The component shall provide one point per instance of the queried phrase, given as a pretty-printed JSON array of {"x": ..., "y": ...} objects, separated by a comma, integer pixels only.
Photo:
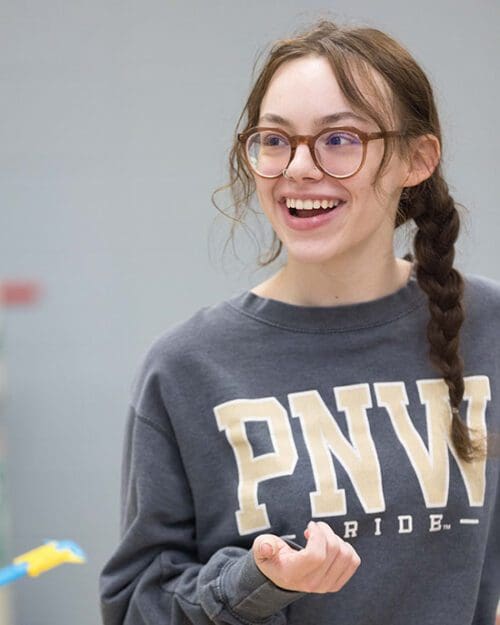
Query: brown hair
[{"x": 354, "y": 52}]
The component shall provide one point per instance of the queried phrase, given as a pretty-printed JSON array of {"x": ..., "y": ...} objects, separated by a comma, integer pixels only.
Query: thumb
[{"x": 265, "y": 547}]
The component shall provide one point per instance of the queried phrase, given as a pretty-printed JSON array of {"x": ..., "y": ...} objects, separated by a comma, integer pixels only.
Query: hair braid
[{"x": 436, "y": 216}]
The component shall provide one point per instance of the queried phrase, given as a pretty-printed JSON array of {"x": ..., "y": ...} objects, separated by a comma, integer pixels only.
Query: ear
[{"x": 425, "y": 152}]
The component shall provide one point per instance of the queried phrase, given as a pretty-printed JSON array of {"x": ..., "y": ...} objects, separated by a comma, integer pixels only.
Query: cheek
[
  {"x": 264, "y": 190},
  {"x": 371, "y": 209},
  {"x": 364, "y": 198},
  {"x": 378, "y": 195}
]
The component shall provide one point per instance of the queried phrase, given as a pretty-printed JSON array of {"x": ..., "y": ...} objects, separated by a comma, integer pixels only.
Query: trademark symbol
[{"x": 447, "y": 526}]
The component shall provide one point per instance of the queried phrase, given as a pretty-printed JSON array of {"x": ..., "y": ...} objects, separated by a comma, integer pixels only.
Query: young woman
[{"x": 347, "y": 403}]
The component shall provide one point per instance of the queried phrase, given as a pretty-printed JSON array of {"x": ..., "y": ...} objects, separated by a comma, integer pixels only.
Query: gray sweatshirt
[{"x": 255, "y": 416}]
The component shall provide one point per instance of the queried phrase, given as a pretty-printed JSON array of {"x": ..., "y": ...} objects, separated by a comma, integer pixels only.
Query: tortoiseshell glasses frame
[{"x": 311, "y": 142}]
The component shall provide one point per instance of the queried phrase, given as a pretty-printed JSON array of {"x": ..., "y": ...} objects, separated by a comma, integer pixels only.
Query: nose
[{"x": 302, "y": 165}]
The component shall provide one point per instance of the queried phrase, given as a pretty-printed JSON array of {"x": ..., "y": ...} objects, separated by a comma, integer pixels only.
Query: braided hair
[{"x": 438, "y": 223}]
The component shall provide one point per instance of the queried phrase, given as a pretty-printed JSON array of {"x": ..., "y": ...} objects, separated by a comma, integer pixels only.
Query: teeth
[{"x": 310, "y": 204}]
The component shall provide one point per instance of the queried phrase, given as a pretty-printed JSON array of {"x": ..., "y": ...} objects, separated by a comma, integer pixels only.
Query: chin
[{"x": 311, "y": 256}]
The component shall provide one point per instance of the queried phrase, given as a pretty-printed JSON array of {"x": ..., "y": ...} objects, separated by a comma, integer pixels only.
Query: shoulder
[
  {"x": 188, "y": 335},
  {"x": 481, "y": 293},
  {"x": 481, "y": 305},
  {"x": 177, "y": 354},
  {"x": 185, "y": 347}
]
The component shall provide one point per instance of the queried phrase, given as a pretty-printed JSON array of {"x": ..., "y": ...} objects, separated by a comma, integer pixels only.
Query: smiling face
[{"x": 304, "y": 97}]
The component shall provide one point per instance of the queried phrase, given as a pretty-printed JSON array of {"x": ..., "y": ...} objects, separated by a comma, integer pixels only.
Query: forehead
[{"x": 306, "y": 88}]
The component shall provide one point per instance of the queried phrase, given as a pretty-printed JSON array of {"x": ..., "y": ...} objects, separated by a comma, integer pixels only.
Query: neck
[{"x": 346, "y": 283}]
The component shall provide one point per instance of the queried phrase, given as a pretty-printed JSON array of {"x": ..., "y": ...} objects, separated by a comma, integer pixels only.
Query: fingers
[
  {"x": 268, "y": 547},
  {"x": 326, "y": 563},
  {"x": 265, "y": 547},
  {"x": 345, "y": 576},
  {"x": 317, "y": 541},
  {"x": 342, "y": 567},
  {"x": 331, "y": 562}
]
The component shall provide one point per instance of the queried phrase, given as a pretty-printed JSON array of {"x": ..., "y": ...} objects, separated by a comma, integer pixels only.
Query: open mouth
[
  {"x": 304, "y": 214},
  {"x": 304, "y": 209}
]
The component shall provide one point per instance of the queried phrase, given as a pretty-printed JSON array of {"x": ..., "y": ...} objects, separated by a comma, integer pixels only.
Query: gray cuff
[{"x": 250, "y": 594}]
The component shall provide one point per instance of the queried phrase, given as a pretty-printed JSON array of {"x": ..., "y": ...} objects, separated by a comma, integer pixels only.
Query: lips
[{"x": 309, "y": 219}]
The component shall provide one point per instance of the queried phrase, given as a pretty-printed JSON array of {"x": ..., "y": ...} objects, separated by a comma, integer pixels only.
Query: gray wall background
[{"x": 115, "y": 123}]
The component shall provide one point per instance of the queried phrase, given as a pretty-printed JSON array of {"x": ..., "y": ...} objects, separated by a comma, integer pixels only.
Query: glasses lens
[
  {"x": 268, "y": 152},
  {"x": 339, "y": 152}
]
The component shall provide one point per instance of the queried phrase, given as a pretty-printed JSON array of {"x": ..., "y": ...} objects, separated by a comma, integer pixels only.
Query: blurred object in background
[
  {"x": 12, "y": 293},
  {"x": 18, "y": 292},
  {"x": 42, "y": 559}
]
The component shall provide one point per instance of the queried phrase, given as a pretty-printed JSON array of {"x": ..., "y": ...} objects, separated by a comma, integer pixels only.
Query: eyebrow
[{"x": 322, "y": 121}]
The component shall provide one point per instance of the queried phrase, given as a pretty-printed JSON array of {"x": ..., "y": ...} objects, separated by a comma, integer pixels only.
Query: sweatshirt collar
[{"x": 341, "y": 318}]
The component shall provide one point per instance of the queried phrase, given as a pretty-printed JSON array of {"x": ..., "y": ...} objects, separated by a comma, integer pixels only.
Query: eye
[
  {"x": 340, "y": 138},
  {"x": 273, "y": 140}
]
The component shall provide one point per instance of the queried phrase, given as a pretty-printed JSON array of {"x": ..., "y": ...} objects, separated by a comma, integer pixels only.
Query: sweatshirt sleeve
[{"x": 154, "y": 576}]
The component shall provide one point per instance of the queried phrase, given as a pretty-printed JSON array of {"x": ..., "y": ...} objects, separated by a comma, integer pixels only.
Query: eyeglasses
[{"x": 339, "y": 152}]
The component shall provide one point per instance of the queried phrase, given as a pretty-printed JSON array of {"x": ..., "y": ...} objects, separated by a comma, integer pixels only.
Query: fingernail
[
  {"x": 266, "y": 550},
  {"x": 310, "y": 525}
]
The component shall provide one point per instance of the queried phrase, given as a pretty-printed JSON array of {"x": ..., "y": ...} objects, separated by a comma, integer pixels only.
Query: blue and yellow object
[{"x": 43, "y": 558}]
